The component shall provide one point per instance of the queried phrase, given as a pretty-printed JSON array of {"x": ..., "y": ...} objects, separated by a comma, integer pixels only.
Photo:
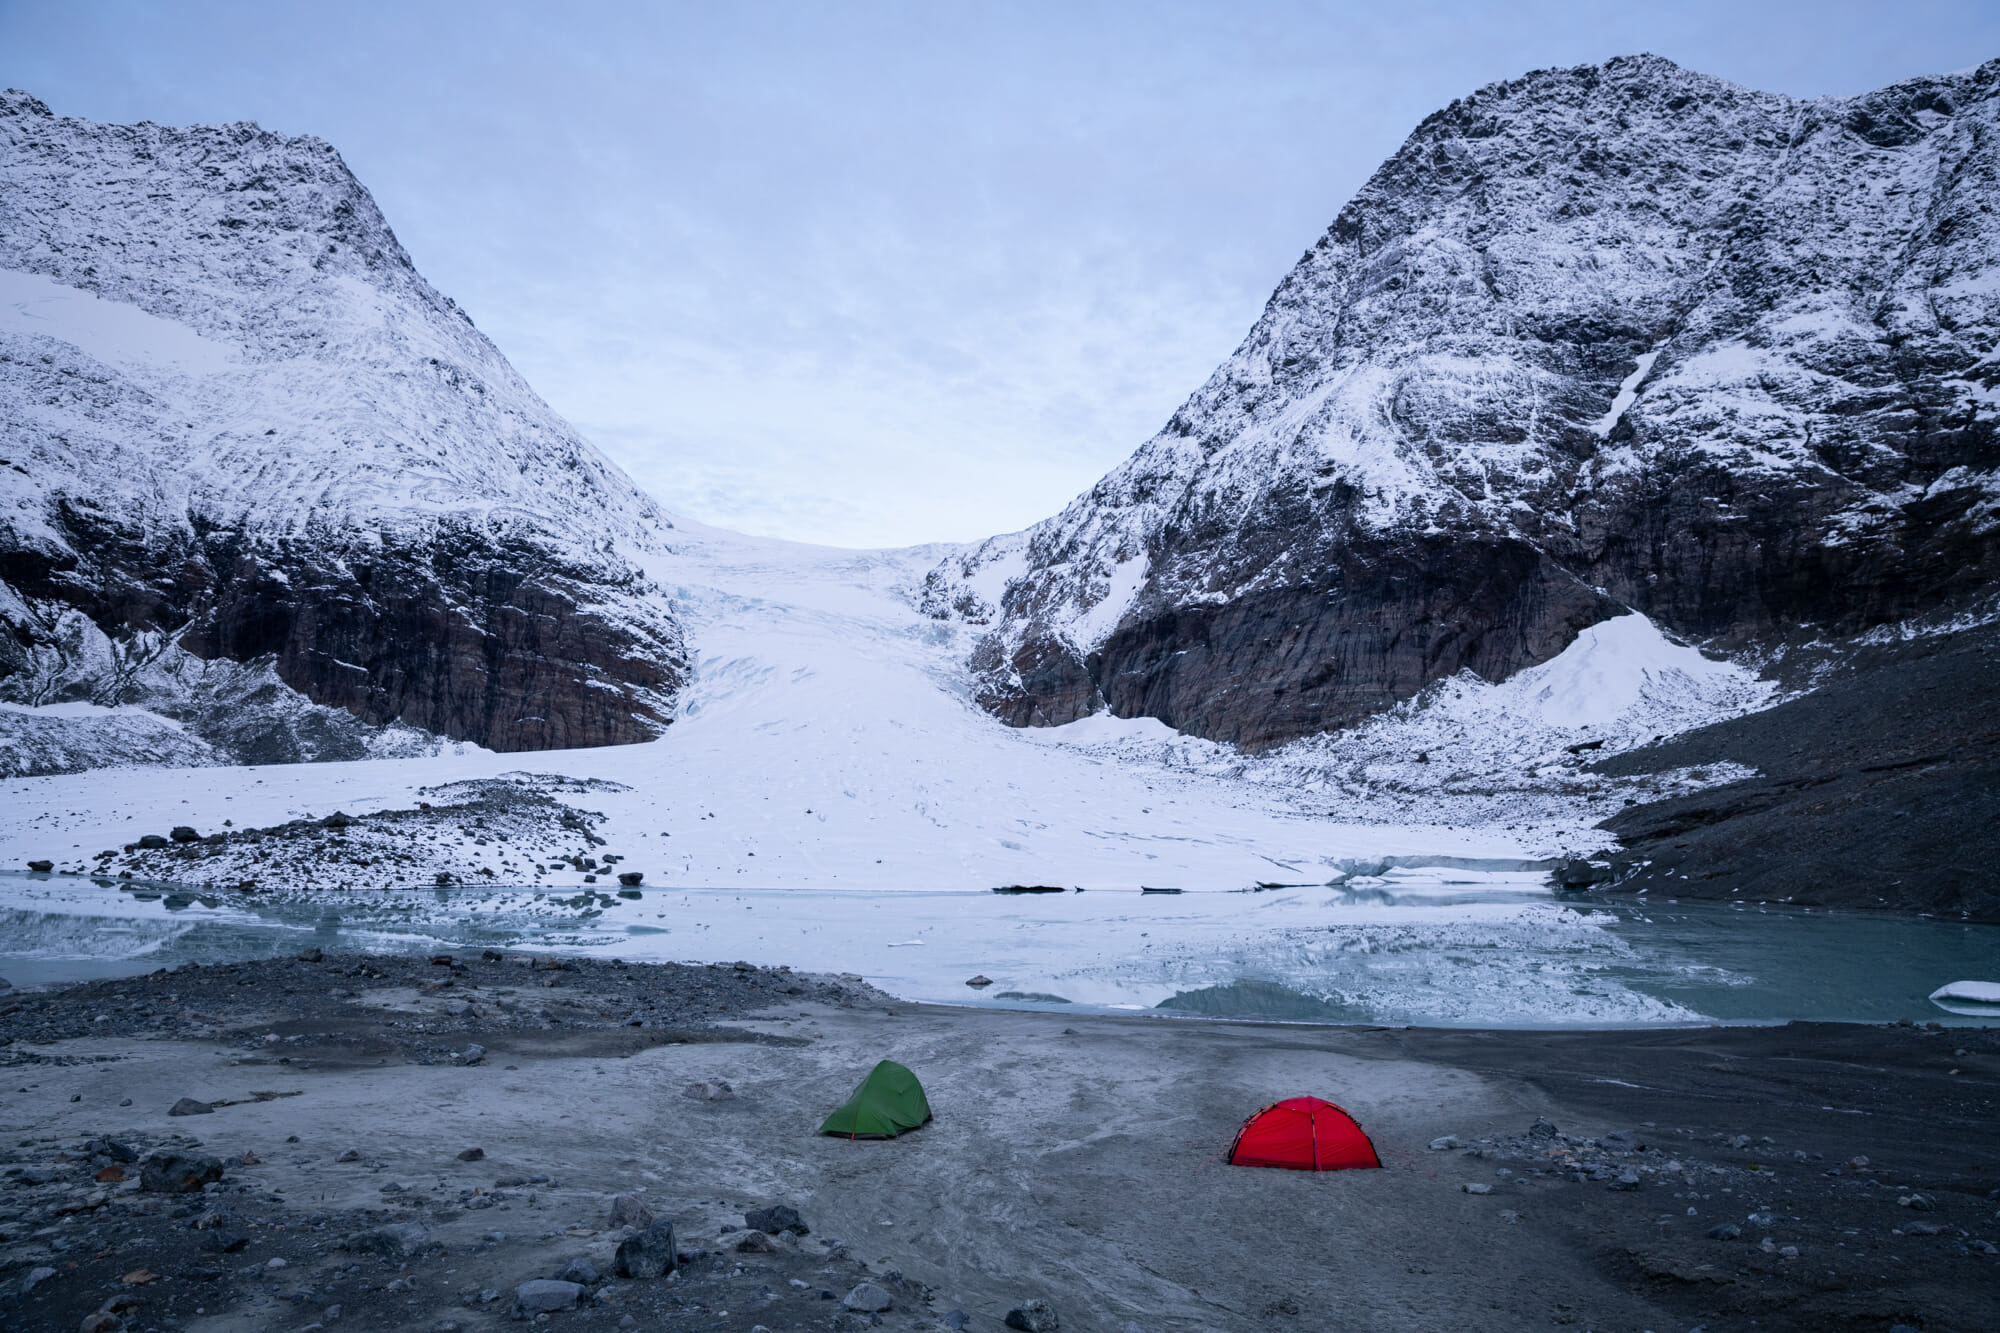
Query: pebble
[
  {"x": 867, "y": 1298},
  {"x": 1036, "y": 1316},
  {"x": 1477, "y": 1187},
  {"x": 716, "y": 1090}
]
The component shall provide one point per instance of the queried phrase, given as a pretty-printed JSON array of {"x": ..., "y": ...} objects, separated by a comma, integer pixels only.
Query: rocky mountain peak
[
  {"x": 1616, "y": 337},
  {"x": 239, "y": 429}
]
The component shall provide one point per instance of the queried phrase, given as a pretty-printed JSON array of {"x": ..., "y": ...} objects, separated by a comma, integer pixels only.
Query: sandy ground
[{"x": 1073, "y": 1159}]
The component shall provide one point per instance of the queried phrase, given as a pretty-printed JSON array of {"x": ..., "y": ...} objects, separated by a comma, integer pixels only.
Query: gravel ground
[{"x": 392, "y": 1159}]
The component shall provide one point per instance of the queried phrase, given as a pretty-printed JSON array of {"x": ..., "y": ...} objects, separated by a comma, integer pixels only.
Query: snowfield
[{"x": 828, "y": 740}]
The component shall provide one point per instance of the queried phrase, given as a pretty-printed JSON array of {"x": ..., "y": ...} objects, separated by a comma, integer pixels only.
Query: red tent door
[{"x": 1303, "y": 1134}]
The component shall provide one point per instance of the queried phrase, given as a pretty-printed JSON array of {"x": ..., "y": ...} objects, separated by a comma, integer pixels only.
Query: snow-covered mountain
[
  {"x": 1619, "y": 337},
  {"x": 261, "y": 480}
]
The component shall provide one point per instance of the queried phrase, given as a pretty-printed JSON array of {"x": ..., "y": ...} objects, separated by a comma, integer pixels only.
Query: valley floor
[{"x": 1074, "y": 1159}]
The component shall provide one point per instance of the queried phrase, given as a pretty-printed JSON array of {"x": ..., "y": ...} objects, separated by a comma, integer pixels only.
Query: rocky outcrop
[
  {"x": 237, "y": 427},
  {"x": 1620, "y": 336},
  {"x": 1880, "y": 789}
]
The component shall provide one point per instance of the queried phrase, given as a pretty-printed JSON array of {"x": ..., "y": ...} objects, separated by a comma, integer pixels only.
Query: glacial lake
[{"x": 1417, "y": 945}]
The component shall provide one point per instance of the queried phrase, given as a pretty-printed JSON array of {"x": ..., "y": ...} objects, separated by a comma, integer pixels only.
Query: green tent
[{"x": 888, "y": 1102}]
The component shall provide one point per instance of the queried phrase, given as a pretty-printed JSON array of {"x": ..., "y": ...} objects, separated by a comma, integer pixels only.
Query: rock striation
[
  {"x": 1616, "y": 337},
  {"x": 246, "y": 450}
]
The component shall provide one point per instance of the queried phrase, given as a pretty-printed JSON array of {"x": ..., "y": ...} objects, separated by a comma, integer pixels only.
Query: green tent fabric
[{"x": 888, "y": 1102}]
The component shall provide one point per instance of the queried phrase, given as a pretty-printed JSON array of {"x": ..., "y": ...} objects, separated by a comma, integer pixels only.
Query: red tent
[{"x": 1303, "y": 1134}]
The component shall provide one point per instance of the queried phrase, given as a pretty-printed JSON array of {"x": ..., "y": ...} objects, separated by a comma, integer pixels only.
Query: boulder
[
  {"x": 152, "y": 842},
  {"x": 182, "y": 833},
  {"x": 545, "y": 1295},
  {"x": 649, "y": 1254},
  {"x": 580, "y": 1271},
  {"x": 41, "y": 867},
  {"x": 178, "y": 1172},
  {"x": 1034, "y": 1317},
  {"x": 778, "y": 1217},
  {"x": 189, "y": 1106},
  {"x": 630, "y": 1210},
  {"x": 867, "y": 1298},
  {"x": 632, "y": 879}
]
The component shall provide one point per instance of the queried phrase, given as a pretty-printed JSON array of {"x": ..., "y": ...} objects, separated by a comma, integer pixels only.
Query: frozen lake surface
[{"x": 1442, "y": 945}]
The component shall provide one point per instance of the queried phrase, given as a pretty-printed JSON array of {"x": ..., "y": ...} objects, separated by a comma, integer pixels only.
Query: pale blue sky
[{"x": 874, "y": 273}]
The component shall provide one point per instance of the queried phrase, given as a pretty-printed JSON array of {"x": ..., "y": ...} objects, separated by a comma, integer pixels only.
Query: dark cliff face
[
  {"x": 1613, "y": 337},
  {"x": 470, "y": 634},
  {"x": 237, "y": 426}
]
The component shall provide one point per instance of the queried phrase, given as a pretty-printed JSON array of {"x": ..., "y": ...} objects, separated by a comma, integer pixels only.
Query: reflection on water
[{"x": 1409, "y": 940}]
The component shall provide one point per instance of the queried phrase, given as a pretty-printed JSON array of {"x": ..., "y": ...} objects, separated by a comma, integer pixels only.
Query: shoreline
[{"x": 1075, "y": 1158}]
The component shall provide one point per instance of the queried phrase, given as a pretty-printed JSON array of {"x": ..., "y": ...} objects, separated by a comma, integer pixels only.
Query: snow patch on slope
[{"x": 1470, "y": 752}]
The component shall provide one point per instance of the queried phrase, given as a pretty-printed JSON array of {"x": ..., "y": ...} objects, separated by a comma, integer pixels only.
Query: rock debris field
[
  {"x": 510, "y": 829},
  {"x": 481, "y": 1139}
]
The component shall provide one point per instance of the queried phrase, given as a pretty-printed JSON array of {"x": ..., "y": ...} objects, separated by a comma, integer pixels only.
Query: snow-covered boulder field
[{"x": 265, "y": 494}]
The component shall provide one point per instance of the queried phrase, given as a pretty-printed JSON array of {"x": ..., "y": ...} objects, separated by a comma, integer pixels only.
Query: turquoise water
[{"x": 1440, "y": 945}]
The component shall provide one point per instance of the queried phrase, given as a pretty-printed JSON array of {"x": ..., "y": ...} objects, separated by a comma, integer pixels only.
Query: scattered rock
[
  {"x": 629, "y": 1210},
  {"x": 100, "y": 1321},
  {"x": 182, "y": 833},
  {"x": 867, "y": 1298},
  {"x": 472, "y": 1155},
  {"x": 778, "y": 1217},
  {"x": 473, "y": 1054},
  {"x": 1627, "y": 1180},
  {"x": 1917, "y": 1201},
  {"x": 35, "y": 1278},
  {"x": 1476, "y": 1187},
  {"x": 152, "y": 842},
  {"x": 1036, "y": 1316},
  {"x": 748, "y": 1242},
  {"x": 632, "y": 879},
  {"x": 1542, "y": 1129},
  {"x": 349, "y": 1155},
  {"x": 546, "y": 1295},
  {"x": 980, "y": 981},
  {"x": 189, "y": 1106},
  {"x": 312, "y": 955},
  {"x": 1727, "y": 1231},
  {"x": 178, "y": 1172},
  {"x": 649, "y": 1254},
  {"x": 717, "y": 1090},
  {"x": 41, "y": 867},
  {"x": 1444, "y": 1144}
]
